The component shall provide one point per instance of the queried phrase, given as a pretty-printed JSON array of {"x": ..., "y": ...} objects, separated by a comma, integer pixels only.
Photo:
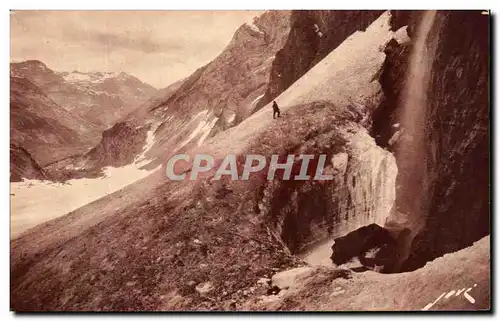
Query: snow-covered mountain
[{"x": 99, "y": 97}]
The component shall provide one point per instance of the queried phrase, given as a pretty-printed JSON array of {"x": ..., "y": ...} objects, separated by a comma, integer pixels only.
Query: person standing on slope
[{"x": 276, "y": 110}]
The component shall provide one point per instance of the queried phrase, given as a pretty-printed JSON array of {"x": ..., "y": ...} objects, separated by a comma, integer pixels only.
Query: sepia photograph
[{"x": 243, "y": 160}]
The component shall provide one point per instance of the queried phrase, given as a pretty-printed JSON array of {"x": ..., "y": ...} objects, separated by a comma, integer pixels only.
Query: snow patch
[
  {"x": 203, "y": 128},
  {"x": 319, "y": 254},
  {"x": 206, "y": 129},
  {"x": 90, "y": 78},
  {"x": 252, "y": 26},
  {"x": 140, "y": 160},
  {"x": 318, "y": 31},
  {"x": 258, "y": 69},
  {"x": 256, "y": 100},
  {"x": 76, "y": 77},
  {"x": 34, "y": 201},
  {"x": 231, "y": 118}
]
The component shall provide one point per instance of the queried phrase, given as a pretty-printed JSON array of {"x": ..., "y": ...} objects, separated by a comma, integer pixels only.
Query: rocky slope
[
  {"x": 215, "y": 97},
  {"x": 433, "y": 288},
  {"x": 225, "y": 91},
  {"x": 36, "y": 122},
  {"x": 230, "y": 86},
  {"x": 99, "y": 97},
  {"x": 22, "y": 165}
]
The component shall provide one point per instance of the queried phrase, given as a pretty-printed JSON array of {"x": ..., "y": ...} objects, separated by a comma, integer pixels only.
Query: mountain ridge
[{"x": 99, "y": 97}]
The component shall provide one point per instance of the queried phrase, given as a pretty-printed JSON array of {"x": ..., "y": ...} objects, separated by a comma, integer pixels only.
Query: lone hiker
[{"x": 276, "y": 109}]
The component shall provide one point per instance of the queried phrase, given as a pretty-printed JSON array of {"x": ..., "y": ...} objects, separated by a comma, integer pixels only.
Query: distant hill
[{"x": 99, "y": 97}]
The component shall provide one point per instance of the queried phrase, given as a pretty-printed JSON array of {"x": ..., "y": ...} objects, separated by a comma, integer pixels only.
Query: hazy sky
[{"x": 158, "y": 47}]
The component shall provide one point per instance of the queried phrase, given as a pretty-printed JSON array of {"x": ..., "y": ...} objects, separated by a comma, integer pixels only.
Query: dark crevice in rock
[{"x": 392, "y": 80}]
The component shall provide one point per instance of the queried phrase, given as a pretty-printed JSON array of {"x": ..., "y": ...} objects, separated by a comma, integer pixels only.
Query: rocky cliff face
[
  {"x": 232, "y": 84},
  {"x": 360, "y": 193},
  {"x": 454, "y": 208},
  {"x": 22, "y": 165},
  {"x": 457, "y": 135},
  {"x": 112, "y": 151},
  {"x": 99, "y": 97},
  {"x": 314, "y": 34},
  {"x": 447, "y": 88},
  {"x": 226, "y": 91}
]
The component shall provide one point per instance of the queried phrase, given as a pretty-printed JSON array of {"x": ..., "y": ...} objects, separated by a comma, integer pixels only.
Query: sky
[{"x": 158, "y": 47}]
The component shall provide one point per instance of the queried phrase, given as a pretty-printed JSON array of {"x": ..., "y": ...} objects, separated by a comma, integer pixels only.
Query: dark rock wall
[
  {"x": 458, "y": 138},
  {"x": 392, "y": 80},
  {"x": 457, "y": 129},
  {"x": 22, "y": 165}
]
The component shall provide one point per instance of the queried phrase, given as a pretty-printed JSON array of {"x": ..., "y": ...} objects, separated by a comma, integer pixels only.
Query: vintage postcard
[{"x": 323, "y": 160}]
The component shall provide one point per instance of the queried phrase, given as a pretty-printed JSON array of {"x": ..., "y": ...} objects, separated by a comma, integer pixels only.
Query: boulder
[
  {"x": 291, "y": 278},
  {"x": 359, "y": 242}
]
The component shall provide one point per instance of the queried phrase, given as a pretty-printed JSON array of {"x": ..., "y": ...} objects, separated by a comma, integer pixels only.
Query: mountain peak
[
  {"x": 34, "y": 70},
  {"x": 30, "y": 63}
]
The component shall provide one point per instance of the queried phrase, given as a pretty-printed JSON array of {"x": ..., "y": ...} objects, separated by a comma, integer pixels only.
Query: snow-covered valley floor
[{"x": 33, "y": 202}]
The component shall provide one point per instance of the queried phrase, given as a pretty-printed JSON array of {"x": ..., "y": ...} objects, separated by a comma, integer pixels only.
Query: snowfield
[
  {"x": 339, "y": 77},
  {"x": 202, "y": 130},
  {"x": 34, "y": 201},
  {"x": 95, "y": 78}
]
